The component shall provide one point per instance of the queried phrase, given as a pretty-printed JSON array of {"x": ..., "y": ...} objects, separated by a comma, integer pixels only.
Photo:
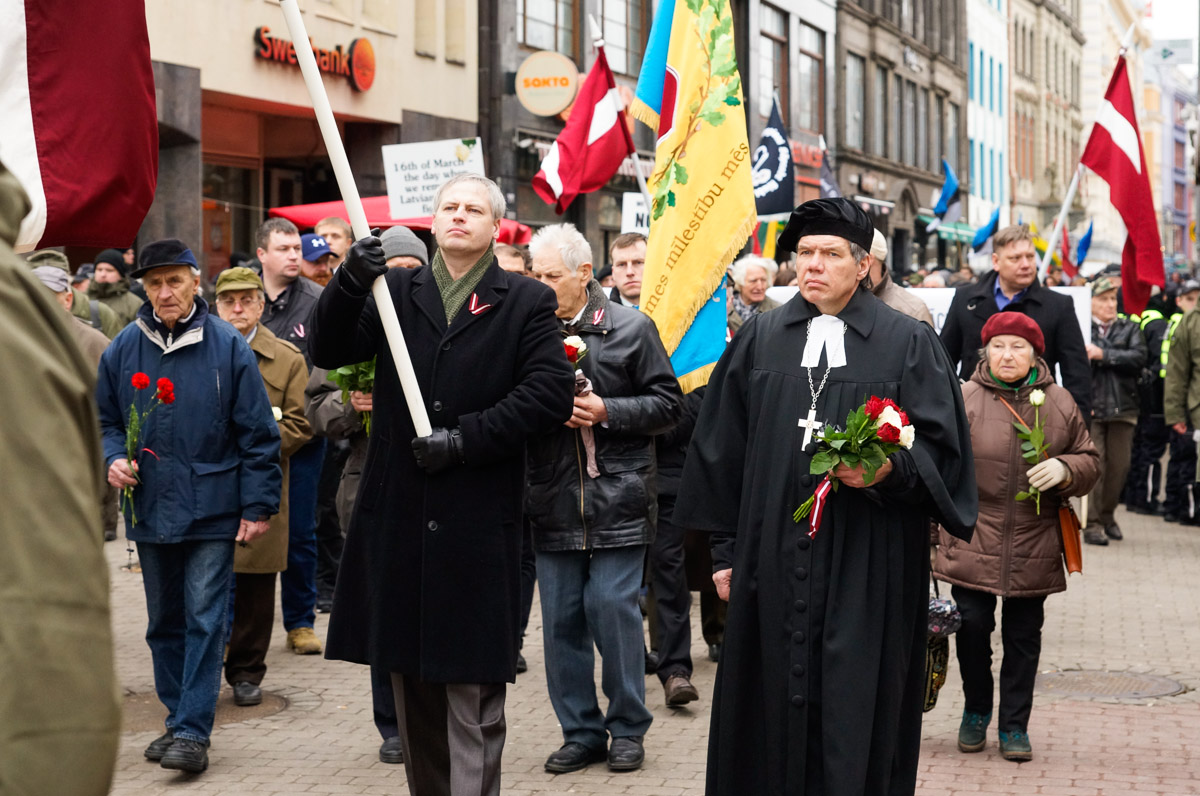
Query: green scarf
[
  {"x": 1016, "y": 387},
  {"x": 456, "y": 291}
]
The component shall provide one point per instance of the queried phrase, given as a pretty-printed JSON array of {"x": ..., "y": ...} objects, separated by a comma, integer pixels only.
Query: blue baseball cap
[{"x": 314, "y": 247}]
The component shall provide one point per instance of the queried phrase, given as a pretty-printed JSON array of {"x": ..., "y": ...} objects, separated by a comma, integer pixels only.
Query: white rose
[
  {"x": 277, "y": 413},
  {"x": 907, "y": 435},
  {"x": 1037, "y": 397},
  {"x": 889, "y": 417},
  {"x": 576, "y": 342}
]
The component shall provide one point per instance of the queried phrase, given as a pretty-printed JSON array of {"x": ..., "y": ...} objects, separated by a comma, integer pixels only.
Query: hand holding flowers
[{"x": 164, "y": 394}]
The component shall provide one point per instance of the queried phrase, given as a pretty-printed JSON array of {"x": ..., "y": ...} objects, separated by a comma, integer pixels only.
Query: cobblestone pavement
[{"x": 1135, "y": 610}]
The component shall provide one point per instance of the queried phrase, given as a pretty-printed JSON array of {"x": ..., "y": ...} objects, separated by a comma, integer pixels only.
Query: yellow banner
[{"x": 702, "y": 196}]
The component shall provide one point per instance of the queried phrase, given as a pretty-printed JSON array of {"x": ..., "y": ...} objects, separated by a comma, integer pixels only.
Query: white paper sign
[
  {"x": 634, "y": 217},
  {"x": 414, "y": 172}
]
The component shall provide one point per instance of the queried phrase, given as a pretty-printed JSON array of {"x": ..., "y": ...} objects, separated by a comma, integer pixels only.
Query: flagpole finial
[
  {"x": 597, "y": 37},
  {"x": 1127, "y": 40}
]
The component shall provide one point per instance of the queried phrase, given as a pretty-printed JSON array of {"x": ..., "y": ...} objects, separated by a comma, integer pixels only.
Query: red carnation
[
  {"x": 572, "y": 353},
  {"x": 888, "y": 433},
  {"x": 166, "y": 391},
  {"x": 140, "y": 381},
  {"x": 875, "y": 406},
  {"x": 904, "y": 417}
]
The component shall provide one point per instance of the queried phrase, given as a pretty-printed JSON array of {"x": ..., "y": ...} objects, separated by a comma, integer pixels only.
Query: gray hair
[
  {"x": 570, "y": 244},
  {"x": 738, "y": 271},
  {"x": 494, "y": 194}
]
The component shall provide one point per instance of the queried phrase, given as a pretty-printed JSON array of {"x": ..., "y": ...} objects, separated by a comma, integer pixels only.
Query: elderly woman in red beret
[{"x": 1016, "y": 552}]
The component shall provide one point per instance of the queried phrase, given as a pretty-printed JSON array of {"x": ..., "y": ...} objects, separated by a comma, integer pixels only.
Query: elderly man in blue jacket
[{"x": 206, "y": 475}]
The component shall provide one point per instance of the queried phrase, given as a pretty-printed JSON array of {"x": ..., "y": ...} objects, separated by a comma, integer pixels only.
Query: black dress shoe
[
  {"x": 246, "y": 695},
  {"x": 714, "y": 652},
  {"x": 572, "y": 757},
  {"x": 1171, "y": 517},
  {"x": 159, "y": 746},
  {"x": 626, "y": 754},
  {"x": 392, "y": 751},
  {"x": 522, "y": 666},
  {"x": 186, "y": 755},
  {"x": 1113, "y": 531},
  {"x": 1094, "y": 534},
  {"x": 324, "y": 605},
  {"x": 651, "y": 661}
]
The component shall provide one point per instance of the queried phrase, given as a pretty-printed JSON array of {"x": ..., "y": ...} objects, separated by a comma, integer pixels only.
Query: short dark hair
[
  {"x": 504, "y": 248},
  {"x": 625, "y": 240},
  {"x": 280, "y": 225}
]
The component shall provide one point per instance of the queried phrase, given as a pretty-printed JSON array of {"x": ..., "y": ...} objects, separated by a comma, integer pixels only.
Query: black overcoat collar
[{"x": 488, "y": 295}]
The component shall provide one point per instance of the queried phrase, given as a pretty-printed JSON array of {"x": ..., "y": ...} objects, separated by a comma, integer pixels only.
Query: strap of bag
[{"x": 1024, "y": 425}]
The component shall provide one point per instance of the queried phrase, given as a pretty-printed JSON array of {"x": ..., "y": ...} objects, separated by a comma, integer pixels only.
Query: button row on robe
[
  {"x": 804, "y": 542},
  {"x": 433, "y": 526},
  {"x": 800, "y": 606},
  {"x": 799, "y": 637},
  {"x": 798, "y": 701},
  {"x": 801, "y": 573},
  {"x": 798, "y": 670},
  {"x": 437, "y": 406}
]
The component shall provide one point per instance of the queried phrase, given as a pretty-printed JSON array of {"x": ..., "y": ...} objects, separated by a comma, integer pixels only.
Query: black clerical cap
[{"x": 835, "y": 216}]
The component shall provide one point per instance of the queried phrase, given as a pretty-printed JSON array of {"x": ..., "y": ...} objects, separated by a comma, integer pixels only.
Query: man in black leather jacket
[
  {"x": 1012, "y": 286},
  {"x": 1117, "y": 353},
  {"x": 592, "y": 504}
]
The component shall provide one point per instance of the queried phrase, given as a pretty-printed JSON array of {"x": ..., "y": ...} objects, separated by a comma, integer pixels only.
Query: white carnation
[
  {"x": 907, "y": 435},
  {"x": 277, "y": 413},
  {"x": 889, "y": 417}
]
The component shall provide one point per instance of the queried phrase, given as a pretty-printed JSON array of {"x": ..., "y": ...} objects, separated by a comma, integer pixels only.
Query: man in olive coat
[{"x": 430, "y": 576}]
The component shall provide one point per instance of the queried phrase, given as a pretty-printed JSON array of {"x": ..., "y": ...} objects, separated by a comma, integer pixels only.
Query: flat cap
[
  {"x": 171, "y": 251},
  {"x": 240, "y": 278},
  {"x": 834, "y": 216},
  {"x": 48, "y": 257}
]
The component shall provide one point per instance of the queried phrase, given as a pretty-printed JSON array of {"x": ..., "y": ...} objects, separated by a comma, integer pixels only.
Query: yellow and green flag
[{"x": 702, "y": 197}]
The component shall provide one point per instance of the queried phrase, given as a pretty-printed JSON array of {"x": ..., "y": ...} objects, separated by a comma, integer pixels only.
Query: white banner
[
  {"x": 634, "y": 217},
  {"x": 414, "y": 172}
]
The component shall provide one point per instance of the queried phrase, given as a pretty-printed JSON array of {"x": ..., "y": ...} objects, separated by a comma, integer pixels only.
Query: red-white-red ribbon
[{"x": 818, "y": 508}]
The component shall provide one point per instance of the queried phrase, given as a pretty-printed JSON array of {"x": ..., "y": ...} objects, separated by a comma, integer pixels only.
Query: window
[
  {"x": 952, "y": 130},
  {"x": 425, "y": 28},
  {"x": 879, "y": 125},
  {"x": 923, "y": 129},
  {"x": 991, "y": 175},
  {"x": 1180, "y": 156},
  {"x": 970, "y": 70},
  {"x": 897, "y": 118},
  {"x": 991, "y": 83},
  {"x": 1000, "y": 89},
  {"x": 950, "y": 31},
  {"x": 547, "y": 25},
  {"x": 910, "y": 123},
  {"x": 456, "y": 31},
  {"x": 812, "y": 79},
  {"x": 982, "y": 76},
  {"x": 772, "y": 54},
  {"x": 626, "y": 25},
  {"x": 974, "y": 178},
  {"x": 855, "y": 74},
  {"x": 1180, "y": 110},
  {"x": 939, "y": 129}
]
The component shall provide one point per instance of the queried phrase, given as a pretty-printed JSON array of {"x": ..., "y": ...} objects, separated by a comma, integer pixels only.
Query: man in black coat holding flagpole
[
  {"x": 429, "y": 586},
  {"x": 820, "y": 683}
]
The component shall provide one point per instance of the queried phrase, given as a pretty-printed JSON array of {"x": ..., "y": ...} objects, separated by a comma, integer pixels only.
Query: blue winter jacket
[{"x": 210, "y": 458}]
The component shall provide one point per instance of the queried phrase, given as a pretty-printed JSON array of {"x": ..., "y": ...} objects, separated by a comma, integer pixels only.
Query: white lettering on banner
[{"x": 414, "y": 172}]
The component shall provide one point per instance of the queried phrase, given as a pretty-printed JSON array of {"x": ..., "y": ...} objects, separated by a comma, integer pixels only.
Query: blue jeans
[
  {"x": 187, "y": 598},
  {"x": 591, "y": 596},
  {"x": 298, "y": 583}
]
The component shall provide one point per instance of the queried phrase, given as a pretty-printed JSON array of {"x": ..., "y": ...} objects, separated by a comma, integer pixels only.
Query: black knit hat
[
  {"x": 836, "y": 216},
  {"x": 165, "y": 252},
  {"x": 114, "y": 258}
]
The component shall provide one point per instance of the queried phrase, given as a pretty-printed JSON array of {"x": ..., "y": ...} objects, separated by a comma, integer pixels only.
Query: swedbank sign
[{"x": 356, "y": 62}]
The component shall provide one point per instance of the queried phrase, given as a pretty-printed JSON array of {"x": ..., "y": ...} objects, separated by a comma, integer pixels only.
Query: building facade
[
  {"x": 236, "y": 127},
  {"x": 1170, "y": 100},
  {"x": 1104, "y": 24},
  {"x": 901, "y": 108},
  {"x": 1046, "y": 56},
  {"x": 988, "y": 76}
]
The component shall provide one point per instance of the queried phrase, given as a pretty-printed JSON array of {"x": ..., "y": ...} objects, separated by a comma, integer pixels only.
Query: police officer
[
  {"x": 1180, "y": 503},
  {"x": 1150, "y": 437}
]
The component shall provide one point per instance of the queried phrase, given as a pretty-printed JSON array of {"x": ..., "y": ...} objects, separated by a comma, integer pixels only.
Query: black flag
[{"x": 773, "y": 174}]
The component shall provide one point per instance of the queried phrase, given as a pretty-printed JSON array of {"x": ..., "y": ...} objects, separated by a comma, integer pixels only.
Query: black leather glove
[
  {"x": 365, "y": 262},
  {"x": 440, "y": 451}
]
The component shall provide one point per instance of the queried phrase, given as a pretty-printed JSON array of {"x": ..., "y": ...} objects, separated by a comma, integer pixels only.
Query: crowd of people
[{"x": 257, "y": 429}]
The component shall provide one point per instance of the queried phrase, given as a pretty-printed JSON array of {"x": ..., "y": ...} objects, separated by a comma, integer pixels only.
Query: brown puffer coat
[{"x": 1015, "y": 551}]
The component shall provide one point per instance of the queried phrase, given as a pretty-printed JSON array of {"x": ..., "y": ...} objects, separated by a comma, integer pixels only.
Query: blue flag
[
  {"x": 985, "y": 233},
  {"x": 648, "y": 97},
  {"x": 1085, "y": 243},
  {"x": 949, "y": 204},
  {"x": 704, "y": 341}
]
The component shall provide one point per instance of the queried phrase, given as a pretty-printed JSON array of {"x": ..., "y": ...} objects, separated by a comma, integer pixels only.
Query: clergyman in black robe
[{"x": 820, "y": 684}]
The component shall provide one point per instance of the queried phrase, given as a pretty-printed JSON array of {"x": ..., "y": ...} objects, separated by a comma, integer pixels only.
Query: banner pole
[
  {"x": 358, "y": 216},
  {"x": 1058, "y": 224}
]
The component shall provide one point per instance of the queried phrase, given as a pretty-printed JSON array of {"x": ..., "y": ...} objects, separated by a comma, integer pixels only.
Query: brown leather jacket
[{"x": 1016, "y": 552}]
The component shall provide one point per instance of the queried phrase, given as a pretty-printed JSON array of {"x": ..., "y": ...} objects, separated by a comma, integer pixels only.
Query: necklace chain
[{"x": 816, "y": 391}]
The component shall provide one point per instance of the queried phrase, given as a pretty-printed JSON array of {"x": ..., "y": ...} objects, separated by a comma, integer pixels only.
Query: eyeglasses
[{"x": 228, "y": 302}]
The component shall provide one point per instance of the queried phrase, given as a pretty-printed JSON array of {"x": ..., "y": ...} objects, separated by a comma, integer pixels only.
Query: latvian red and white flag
[
  {"x": 1114, "y": 151},
  {"x": 78, "y": 126},
  {"x": 591, "y": 147}
]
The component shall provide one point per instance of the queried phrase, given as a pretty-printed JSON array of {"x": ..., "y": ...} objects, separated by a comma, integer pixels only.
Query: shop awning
[
  {"x": 964, "y": 233},
  {"x": 379, "y": 215}
]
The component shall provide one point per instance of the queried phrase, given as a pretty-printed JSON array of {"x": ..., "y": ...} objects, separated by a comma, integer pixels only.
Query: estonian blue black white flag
[
  {"x": 983, "y": 235},
  {"x": 949, "y": 204},
  {"x": 774, "y": 176}
]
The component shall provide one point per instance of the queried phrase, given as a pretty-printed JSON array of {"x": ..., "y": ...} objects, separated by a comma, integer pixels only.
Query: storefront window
[{"x": 232, "y": 210}]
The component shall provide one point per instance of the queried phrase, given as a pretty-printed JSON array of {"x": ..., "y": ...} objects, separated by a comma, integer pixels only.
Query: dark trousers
[
  {"x": 1150, "y": 439},
  {"x": 1113, "y": 440},
  {"x": 383, "y": 703},
  {"x": 453, "y": 735},
  {"x": 712, "y": 617},
  {"x": 528, "y": 575},
  {"x": 298, "y": 583},
  {"x": 1181, "y": 477},
  {"x": 329, "y": 529},
  {"x": 250, "y": 633},
  {"x": 1021, "y": 634},
  {"x": 671, "y": 595}
]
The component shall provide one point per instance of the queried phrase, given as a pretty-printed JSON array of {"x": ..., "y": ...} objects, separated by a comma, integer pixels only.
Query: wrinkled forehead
[
  {"x": 826, "y": 243},
  {"x": 168, "y": 272}
]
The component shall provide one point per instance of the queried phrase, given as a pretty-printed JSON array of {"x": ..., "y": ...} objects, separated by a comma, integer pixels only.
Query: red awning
[{"x": 379, "y": 215}]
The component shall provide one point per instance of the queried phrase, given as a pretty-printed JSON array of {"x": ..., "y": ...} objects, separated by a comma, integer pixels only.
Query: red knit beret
[{"x": 1017, "y": 323}]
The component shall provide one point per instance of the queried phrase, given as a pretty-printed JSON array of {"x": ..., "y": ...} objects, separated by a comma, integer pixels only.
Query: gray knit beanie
[{"x": 398, "y": 241}]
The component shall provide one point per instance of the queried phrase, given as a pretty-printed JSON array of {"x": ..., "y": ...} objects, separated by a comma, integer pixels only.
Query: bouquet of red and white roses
[
  {"x": 163, "y": 394},
  {"x": 873, "y": 432}
]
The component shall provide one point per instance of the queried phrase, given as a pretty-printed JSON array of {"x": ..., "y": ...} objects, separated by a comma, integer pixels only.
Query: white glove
[{"x": 1047, "y": 474}]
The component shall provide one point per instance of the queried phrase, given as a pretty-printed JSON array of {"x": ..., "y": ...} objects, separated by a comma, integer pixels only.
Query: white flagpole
[
  {"x": 358, "y": 216},
  {"x": 598, "y": 43},
  {"x": 1052, "y": 241}
]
